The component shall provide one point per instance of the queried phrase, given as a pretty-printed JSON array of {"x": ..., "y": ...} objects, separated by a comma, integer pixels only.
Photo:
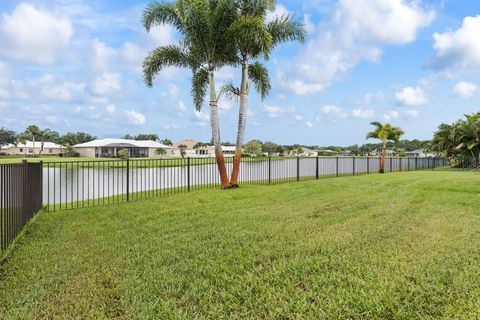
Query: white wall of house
[{"x": 86, "y": 152}]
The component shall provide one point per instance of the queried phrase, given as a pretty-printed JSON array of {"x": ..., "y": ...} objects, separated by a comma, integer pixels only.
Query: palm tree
[
  {"x": 46, "y": 135},
  {"x": 32, "y": 132},
  {"x": 160, "y": 152},
  {"x": 204, "y": 48},
  {"x": 254, "y": 38},
  {"x": 385, "y": 133}
]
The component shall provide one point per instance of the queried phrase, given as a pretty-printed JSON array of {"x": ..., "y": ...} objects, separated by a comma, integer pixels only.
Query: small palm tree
[
  {"x": 183, "y": 150},
  {"x": 203, "y": 48},
  {"x": 384, "y": 133},
  {"x": 253, "y": 38}
]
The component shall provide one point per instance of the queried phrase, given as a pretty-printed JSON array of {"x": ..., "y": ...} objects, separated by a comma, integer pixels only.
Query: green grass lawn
[{"x": 394, "y": 246}]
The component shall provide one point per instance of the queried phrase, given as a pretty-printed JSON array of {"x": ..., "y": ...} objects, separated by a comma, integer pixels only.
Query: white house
[
  {"x": 193, "y": 150},
  {"x": 29, "y": 148},
  {"x": 418, "y": 154},
  {"x": 108, "y": 148}
]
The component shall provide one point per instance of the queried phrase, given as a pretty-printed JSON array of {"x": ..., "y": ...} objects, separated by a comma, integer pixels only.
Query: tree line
[{"x": 459, "y": 141}]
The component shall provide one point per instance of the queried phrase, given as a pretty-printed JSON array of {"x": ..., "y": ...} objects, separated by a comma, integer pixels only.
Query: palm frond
[
  {"x": 199, "y": 87},
  {"x": 158, "y": 13},
  {"x": 285, "y": 29},
  {"x": 258, "y": 74}
]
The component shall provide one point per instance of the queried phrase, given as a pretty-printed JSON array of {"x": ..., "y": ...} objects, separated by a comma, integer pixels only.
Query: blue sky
[{"x": 74, "y": 65}]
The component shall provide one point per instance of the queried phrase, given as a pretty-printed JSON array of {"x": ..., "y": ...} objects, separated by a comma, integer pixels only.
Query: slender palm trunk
[
  {"x": 33, "y": 141},
  {"x": 41, "y": 147},
  {"x": 242, "y": 122},
  {"x": 382, "y": 159},
  {"x": 216, "y": 133}
]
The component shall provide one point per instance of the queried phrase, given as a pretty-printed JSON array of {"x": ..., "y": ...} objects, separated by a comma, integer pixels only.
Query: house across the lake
[
  {"x": 29, "y": 148},
  {"x": 109, "y": 148},
  {"x": 195, "y": 149}
]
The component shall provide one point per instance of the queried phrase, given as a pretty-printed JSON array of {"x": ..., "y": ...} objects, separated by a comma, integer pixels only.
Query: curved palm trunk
[
  {"x": 382, "y": 160},
  {"x": 242, "y": 122},
  {"x": 33, "y": 141},
  {"x": 41, "y": 147},
  {"x": 214, "y": 121}
]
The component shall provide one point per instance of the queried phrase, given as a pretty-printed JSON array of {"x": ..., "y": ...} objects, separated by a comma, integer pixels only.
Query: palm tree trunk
[
  {"x": 214, "y": 121},
  {"x": 41, "y": 147},
  {"x": 33, "y": 141},
  {"x": 382, "y": 160},
  {"x": 242, "y": 122}
]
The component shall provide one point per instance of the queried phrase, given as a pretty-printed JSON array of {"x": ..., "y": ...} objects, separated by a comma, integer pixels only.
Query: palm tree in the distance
[
  {"x": 384, "y": 133},
  {"x": 203, "y": 48},
  {"x": 253, "y": 39}
]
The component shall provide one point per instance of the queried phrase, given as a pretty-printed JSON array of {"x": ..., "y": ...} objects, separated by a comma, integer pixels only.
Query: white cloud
[
  {"x": 465, "y": 90},
  {"x": 280, "y": 10},
  {"x": 363, "y": 113},
  {"x": 51, "y": 88},
  {"x": 459, "y": 51},
  {"x": 391, "y": 115},
  {"x": 4, "y": 94},
  {"x": 106, "y": 84},
  {"x": 51, "y": 119},
  {"x": 162, "y": 35},
  {"x": 335, "y": 112},
  {"x": 409, "y": 96},
  {"x": 276, "y": 111},
  {"x": 370, "y": 98},
  {"x": 111, "y": 108},
  {"x": 3, "y": 104},
  {"x": 171, "y": 92},
  {"x": 298, "y": 117},
  {"x": 172, "y": 126},
  {"x": 412, "y": 113},
  {"x": 135, "y": 117},
  {"x": 355, "y": 32},
  {"x": 89, "y": 112},
  {"x": 101, "y": 55},
  {"x": 5, "y": 73},
  {"x": 31, "y": 34},
  {"x": 309, "y": 124}
]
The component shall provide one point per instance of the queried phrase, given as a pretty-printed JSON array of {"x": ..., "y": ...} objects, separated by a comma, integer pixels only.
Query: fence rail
[
  {"x": 20, "y": 198},
  {"x": 70, "y": 185}
]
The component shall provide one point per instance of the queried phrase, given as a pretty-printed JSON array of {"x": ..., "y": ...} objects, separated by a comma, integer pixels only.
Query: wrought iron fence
[
  {"x": 20, "y": 198},
  {"x": 70, "y": 185}
]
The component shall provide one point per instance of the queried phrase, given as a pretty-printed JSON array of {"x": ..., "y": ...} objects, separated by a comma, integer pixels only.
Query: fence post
[
  {"x": 298, "y": 168},
  {"x": 353, "y": 165},
  {"x": 128, "y": 180},
  {"x": 416, "y": 163},
  {"x": 391, "y": 167},
  {"x": 25, "y": 200},
  {"x": 368, "y": 164},
  {"x": 188, "y": 174},
  {"x": 400, "y": 163},
  {"x": 269, "y": 170},
  {"x": 316, "y": 169},
  {"x": 336, "y": 170}
]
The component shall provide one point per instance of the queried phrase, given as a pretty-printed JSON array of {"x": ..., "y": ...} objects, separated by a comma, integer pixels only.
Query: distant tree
[
  {"x": 32, "y": 133},
  {"x": 7, "y": 136},
  {"x": 385, "y": 133},
  {"x": 183, "y": 150},
  {"x": 270, "y": 148},
  {"x": 69, "y": 152},
  {"x": 297, "y": 151},
  {"x": 166, "y": 142},
  {"x": 149, "y": 136},
  {"x": 47, "y": 135},
  {"x": 83, "y": 137},
  {"x": 200, "y": 145},
  {"x": 160, "y": 152},
  {"x": 128, "y": 137},
  {"x": 253, "y": 147},
  {"x": 123, "y": 154}
]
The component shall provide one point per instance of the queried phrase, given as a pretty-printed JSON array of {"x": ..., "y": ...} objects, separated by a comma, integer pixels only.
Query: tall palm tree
[
  {"x": 385, "y": 133},
  {"x": 254, "y": 38},
  {"x": 203, "y": 48},
  {"x": 46, "y": 135},
  {"x": 32, "y": 132}
]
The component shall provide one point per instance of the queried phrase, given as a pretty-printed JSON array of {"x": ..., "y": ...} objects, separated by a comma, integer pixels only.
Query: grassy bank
[{"x": 403, "y": 245}]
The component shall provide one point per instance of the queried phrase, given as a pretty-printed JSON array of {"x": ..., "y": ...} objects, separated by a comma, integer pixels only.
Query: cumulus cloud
[
  {"x": 355, "y": 32},
  {"x": 370, "y": 98},
  {"x": 465, "y": 90},
  {"x": 409, "y": 96},
  {"x": 111, "y": 108},
  {"x": 280, "y": 10},
  {"x": 458, "y": 51},
  {"x": 34, "y": 35},
  {"x": 276, "y": 111},
  {"x": 334, "y": 111},
  {"x": 101, "y": 55},
  {"x": 363, "y": 113},
  {"x": 4, "y": 94},
  {"x": 106, "y": 84},
  {"x": 53, "y": 89},
  {"x": 135, "y": 117},
  {"x": 391, "y": 115}
]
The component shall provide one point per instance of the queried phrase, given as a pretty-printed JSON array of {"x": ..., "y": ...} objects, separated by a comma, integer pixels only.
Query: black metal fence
[
  {"x": 20, "y": 198},
  {"x": 69, "y": 185}
]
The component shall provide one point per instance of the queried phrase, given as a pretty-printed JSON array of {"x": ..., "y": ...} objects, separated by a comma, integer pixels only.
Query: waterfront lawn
[{"x": 394, "y": 246}]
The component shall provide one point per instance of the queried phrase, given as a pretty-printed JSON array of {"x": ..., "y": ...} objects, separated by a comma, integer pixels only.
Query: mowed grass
[{"x": 394, "y": 246}]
